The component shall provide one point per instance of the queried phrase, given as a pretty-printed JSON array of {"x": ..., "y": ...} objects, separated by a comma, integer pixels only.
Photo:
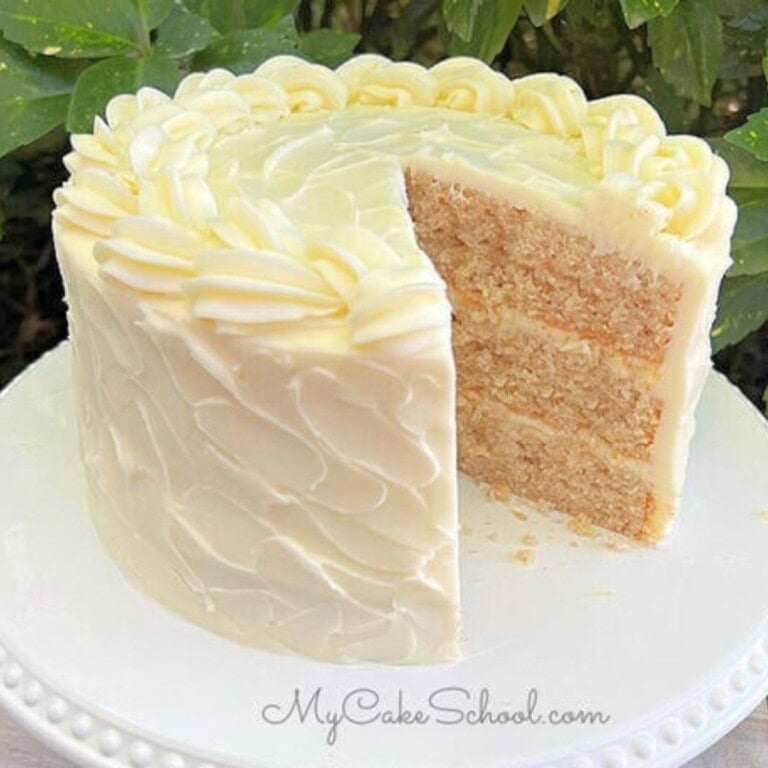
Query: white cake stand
[{"x": 672, "y": 644}]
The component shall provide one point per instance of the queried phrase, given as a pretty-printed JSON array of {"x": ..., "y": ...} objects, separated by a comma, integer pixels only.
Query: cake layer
[
  {"x": 568, "y": 383},
  {"x": 542, "y": 269},
  {"x": 520, "y": 457},
  {"x": 571, "y": 347}
]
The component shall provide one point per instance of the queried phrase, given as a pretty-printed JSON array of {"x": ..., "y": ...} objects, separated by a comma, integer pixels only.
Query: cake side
[{"x": 293, "y": 501}]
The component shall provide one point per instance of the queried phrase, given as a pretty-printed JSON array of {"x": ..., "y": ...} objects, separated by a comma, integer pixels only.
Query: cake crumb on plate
[
  {"x": 498, "y": 492},
  {"x": 582, "y": 526},
  {"x": 524, "y": 555}
]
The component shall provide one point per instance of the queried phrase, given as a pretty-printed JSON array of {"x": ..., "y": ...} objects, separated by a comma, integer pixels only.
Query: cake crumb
[
  {"x": 575, "y": 544},
  {"x": 529, "y": 540},
  {"x": 616, "y": 545},
  {"x": 520, "y": 515},
  {"x": 523, "y": 555},
  {"x": 498, "y": 492},
  {"x": 467, "y": 530},
  {"x": 582, "y": 526}
]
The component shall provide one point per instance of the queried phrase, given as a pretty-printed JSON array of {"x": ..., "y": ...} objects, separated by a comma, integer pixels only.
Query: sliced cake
[{"x": 261, "y": 274}]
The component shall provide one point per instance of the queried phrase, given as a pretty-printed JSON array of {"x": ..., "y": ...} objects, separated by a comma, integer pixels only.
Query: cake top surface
[{"x": 275, "y": 202}]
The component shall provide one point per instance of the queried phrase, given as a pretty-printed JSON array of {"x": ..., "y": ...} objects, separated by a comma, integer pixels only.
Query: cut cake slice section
[{"x": 579, "y": 366}]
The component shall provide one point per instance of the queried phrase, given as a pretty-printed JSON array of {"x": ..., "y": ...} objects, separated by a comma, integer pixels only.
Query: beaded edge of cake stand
[{"x": 91, "y": 738}]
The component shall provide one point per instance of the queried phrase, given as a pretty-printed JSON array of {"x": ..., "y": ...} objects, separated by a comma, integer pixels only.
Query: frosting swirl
[
  {"x": 94, "y": 199},
  {"x": 687, "y": 179},
  {"x": 353, "y": 252},
  {"x": 469, "y": 85},
  {"x": 376, "y": 81},
  {"x": 259, "y": 224},
  {"x": 618, "y": 132},
  {"x": 404, "y": 307},
  {"x": 141, "y": 185},
  {"x": 148, "y": 253},
  {"x": 308, "y": 87},
  {"x": 250, "y": 286},
  {"x": 550, "y": 104}
]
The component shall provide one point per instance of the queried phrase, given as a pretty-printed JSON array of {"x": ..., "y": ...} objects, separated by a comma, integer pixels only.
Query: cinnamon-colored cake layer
[
  {"x": 551, "y": 468},
  {"x": 558, "y": 349},
  {"x": 499, "y": 256},
  {"x": 568, "y": 383}
]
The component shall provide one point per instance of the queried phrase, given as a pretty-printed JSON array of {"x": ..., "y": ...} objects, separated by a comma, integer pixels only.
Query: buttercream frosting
[
  {"x": 222, "y": 165},
  {"x": 263, "y": 363}
]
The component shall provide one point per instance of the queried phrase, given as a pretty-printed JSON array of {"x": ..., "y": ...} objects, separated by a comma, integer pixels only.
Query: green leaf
[
  {"x": 231, "y": 15},
  {"x": 742, "y": 308},
  {"x": 105, "y": 79},
  {"x": 480, "y": 27},
  {"x": 662, "y": 96},
  {"x": 541, "y": 11},
  {"x": 688, "y": 48},
  {"x": 753, "y": 135},
  {"x": 750, "y": 239},
  {"x": 328, "y": 46},
  {"x": 743, "y": 195},
  {"x": 34, "y": 94},
  {"x": 243, "y": 50},
  {"x": 23, "y": 76},
  {"x": 152, "y": 12},
  {"x": 183, "y": 33},
  {"x": 160, "y": 72},
  {"x": 29, "y": 120},
  {"x": 747, "y": 172},
  {"x": 637, "y": 12},
  {"x": 72, "y": 28},
  {"x": 460, "y": 17}
]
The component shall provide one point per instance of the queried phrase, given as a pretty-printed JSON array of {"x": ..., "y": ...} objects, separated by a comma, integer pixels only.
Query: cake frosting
[{"x": 263, "y": 350}]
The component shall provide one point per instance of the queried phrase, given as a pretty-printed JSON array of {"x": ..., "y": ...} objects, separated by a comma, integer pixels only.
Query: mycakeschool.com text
[{"x": 448, "y": 706}]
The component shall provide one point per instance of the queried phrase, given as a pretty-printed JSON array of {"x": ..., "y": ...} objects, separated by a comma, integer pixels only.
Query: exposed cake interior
[{"x": 559, "y": 350}]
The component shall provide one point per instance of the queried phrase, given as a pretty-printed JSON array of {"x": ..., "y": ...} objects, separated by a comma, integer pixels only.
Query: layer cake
[{"x": 299, "y": 298}]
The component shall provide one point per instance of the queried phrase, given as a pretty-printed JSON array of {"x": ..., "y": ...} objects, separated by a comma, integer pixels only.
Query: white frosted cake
[{"x": 261, "y": 275}]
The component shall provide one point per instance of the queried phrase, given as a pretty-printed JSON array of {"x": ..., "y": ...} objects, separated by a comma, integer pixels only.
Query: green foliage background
[{"x": 702, "y": 63}]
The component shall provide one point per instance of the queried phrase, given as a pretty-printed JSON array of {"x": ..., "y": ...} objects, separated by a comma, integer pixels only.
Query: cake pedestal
[{"x": 580, "y": 652}]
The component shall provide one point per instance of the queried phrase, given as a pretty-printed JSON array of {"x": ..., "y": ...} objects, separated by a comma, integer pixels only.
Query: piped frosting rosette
[{"x": 140, "y": 186}]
